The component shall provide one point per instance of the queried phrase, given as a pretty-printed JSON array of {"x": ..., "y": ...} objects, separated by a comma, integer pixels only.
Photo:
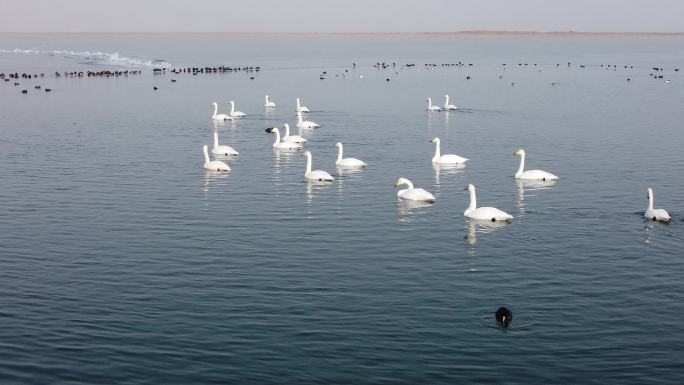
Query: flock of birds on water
[{"x": 290, "y": 142}]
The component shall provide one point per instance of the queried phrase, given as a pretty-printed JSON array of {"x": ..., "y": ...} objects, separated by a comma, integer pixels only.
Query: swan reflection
[
  {"x": 314, "y": 186},
  {"x": 480, "y": 226},
  {"x": 446, "y": 169},
  {"x": 405, "y": 207},
  {"x": 212, "y": 177},
  {"x": 529, "y": 185}
]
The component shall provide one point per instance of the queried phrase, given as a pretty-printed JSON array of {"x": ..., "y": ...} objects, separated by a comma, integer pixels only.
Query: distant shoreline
[{"x": 475, "y": 33}]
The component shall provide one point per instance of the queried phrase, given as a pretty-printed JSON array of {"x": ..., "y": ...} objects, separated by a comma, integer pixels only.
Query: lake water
[{"x": 123, "y": 261}]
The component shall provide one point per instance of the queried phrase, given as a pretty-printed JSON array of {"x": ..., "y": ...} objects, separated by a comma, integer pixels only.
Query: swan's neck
[
  {"x": 277, "y": 138},
  {"x": 299, "y": 117},
  {"x": 522, "y": 166},
  {"x": 308, "y": 165},
  {"x": 446, "y": 102},
  {"x": 298, "y": 106},
  {"x": 650, "y": 200},
  {"x": 429, "y": 103},
  {"x": 215, "y": 110},
  {"x": 215, "y": 139},
  {"x": 266, "y": 98},
  {"x": 287, "y": 131},
  {"x": 473, "y": 201},
  {"x": 339, "y": 154},
  {"x": 206, "y": 154},
  {"x": 232, "y": 107},
  {"x": 437, "y": 153}
]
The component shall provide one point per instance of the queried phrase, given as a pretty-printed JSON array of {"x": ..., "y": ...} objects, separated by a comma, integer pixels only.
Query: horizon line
[{"x": 423, "y": 33}]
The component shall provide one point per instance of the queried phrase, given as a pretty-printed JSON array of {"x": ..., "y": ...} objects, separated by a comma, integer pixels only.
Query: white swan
[
  {"x": 292, "y": 138},
  {"x": 655, "y": 214},
  {"x": 531, "y": 174},
  {"x": 448, "y": 106},
  {"x": 215, "y": 165},
  {"x": 235, "y": 114},
  {"x": 269, "y": 103},
  {"x": 216, "y": 115},
  {"x": 317, "y": 175},
  {"x": 222, "y": 150},
  {"x": 283, "y": 145},
  {"x": 447, "y": 158},
  {"x": 430, "y": 107},
  {"x": 301, "y": 108},
  {"x": 486, "y": 213},
  {"x": 347, "y": 162},
  {"x": 414, "y": 194},
  {"x": 305, "y": 123}
]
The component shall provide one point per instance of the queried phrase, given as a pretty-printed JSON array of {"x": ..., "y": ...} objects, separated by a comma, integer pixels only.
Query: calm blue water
[{"x": 123, "y": 261}]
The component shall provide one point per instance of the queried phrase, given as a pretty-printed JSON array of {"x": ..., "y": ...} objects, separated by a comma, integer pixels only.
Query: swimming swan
[
  {"x": 347, "y": 162},
  {"x": 215, "y": 165},
  {"x": 447, "y": 158},
  {"x": 655, "y": 214},
  {"x": 216, "y": 116},
  {"x": 292, "y": 138},
  {"x": 414, "y": 194},
  {"x": 430, "y": 107},
  {"x": 486, "y": 213},
  {"x": 269, "y": 103},
  {"x": 235, "y": 114},
  {"x": 222, "y": 150},
  {"x": 531, "y": 174},
  {"x": 282, "y": 145},
  {"x": 305, "y": 123},
  {"x": 448, "y": 106},
  {"x": 317, "y": 175},
  {"x": 301, "y": 108}
]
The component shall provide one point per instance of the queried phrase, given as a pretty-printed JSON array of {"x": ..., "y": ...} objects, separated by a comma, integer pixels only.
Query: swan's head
[
  {"x": 338, "y": 145},
  {"x": 286, "y": 126},
  {"x": 650, "y": 193},
  {"x": 470, "y": 187},
  {"x": 213, "y": 104},
  {"x": 307, "y": 154},
  {"x": 434, "y": 140},
  {"x": 402, "y": 181},
  {"x": 271, "y": 130},
  {"x": 445, "y": 96},
  {"x": 232, "y": 102},
  {"x": 205, "y": 148},
  {"x": 520, "y": 152}
]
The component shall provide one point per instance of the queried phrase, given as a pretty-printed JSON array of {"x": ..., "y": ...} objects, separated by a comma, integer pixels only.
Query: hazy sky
[{"x": 339, "y": 16}]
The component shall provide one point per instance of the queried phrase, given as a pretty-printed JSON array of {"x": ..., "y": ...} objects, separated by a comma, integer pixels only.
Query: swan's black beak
[
  {"x": 269, "y": 130},
  {"x": 465, "y": 189}
]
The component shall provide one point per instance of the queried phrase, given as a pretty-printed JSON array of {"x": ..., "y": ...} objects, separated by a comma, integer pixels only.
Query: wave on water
[{"x": 99, "y": 58}]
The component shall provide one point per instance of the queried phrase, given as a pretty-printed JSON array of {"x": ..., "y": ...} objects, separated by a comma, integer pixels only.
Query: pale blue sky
[{"x": 339, "y": 16}]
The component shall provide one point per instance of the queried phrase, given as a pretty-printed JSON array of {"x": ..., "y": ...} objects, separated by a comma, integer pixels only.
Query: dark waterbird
[{"x": 503, "y": 316}]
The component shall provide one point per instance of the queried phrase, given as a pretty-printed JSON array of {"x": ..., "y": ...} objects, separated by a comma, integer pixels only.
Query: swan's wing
[
  {"x": 492, "y": 212},
  {"x": 452, "y": 158},
  {"x": 538, "y": 175},
  {"x": 320, "y": 175},
  {"x": 417, "y": 194}
]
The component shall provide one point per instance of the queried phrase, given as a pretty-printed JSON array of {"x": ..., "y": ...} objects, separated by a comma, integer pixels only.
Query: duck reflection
[
  {"x": 479, "y": 226},
  {"x": 529, "y": 185}
]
